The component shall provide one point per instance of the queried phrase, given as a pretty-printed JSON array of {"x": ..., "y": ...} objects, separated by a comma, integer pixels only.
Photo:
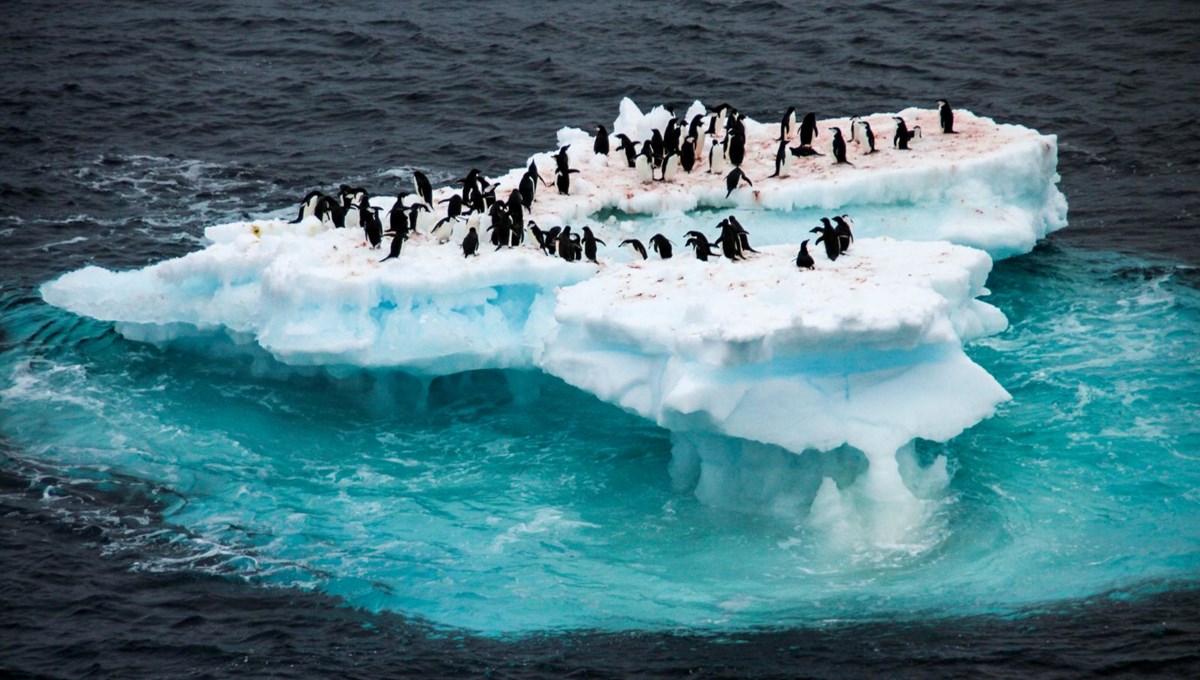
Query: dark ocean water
[{"x": 126, "y": 128}]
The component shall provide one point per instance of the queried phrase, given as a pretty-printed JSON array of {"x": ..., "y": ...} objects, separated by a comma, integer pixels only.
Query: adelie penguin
[
  {"x": 787, "y": 126},
  {"x": 443, "y": 231},
  {"x": 423, "y": 187},
  {"x": 601, "y": 144},
  {"x": 589, "y": 244},
  {"x": 398, "y": 239},
  {"x": 636, "y": 247},
  {"x": 803, "y": 259},
  {"x": 564, "y": 245},
  {"x": 903, "y": 134},
  {"x": 661, "y": 245},
  {"x": 731, "y": 246},
  {"x": 629, "y": 147},
  {"x": 699, "y": 242},
  {"x": 562, "y": 180},
  {"x": 828, "y": 236},
  {"x": 470, "y": 244},
  {"x": 782, "y": 164},
  {"x": 733, "y": 179},
  {"x": 372, "y": 227},
  {"x": 839, "y": 147},
  {"x": 946, "y": 117},
  {"x": 308, "y": 206},
  {"x": 670, "y": 167},
  {"x": 645, "y": 164},
  {"x": 845, "y": 236}
]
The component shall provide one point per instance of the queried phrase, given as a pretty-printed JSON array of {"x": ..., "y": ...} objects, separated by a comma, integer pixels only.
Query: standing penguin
[
  {"x": 470, "y": 244},
  {"x": 845, "y": 236},
  {"x": 398, "y": 240},
  {"x": 946, "y": 117},
  {"x": 903, "y": 134},
  {"x": 443, "y": 231},
  {"x": 803, "y": 259},
  {"x": 589, "y": 244},
  {"x": 629, "y": 147},
  {"x": 687, "y": 154},
  {"x": 868, "y": 134},
  {"x": 782, "y": 160},
  {"x": 808, "y": 129},
  {"x": 308, "y": 206},
  {"x": 731, "y": 246},
  {"x": 787, "y": 126},
  {"x": 732, "y": 180},
  {"x": 661, "y": 245},
  {"x": 828, "y": 236},
  {"x": 372, "y": 227},
  {"x": 736, "y": 145},
  {"x": 635, "y": 246},
  {"x": 670, "y": 166},
  {"x": 839, "y": 147},
  {"x": 423, "y": 186},
  {"x": 601, "y": 144},
  {"x": 717, "y": 158},
  {"x": 699, "y": 243},
  {"x": 645, "y": 164},
  {"x": 742, "y": 235},
  {"x": 562, "y": 180},
  {"x": 566, "y": 249}
]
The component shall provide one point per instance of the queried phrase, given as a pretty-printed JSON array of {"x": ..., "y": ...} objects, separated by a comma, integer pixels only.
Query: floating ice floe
[{"x": 743, "y": 361}]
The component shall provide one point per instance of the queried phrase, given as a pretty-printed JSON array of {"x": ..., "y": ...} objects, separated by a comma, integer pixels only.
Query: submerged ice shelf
[{"x": 740, "y": 360}]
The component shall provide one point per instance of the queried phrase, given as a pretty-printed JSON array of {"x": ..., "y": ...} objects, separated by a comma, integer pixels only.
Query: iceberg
[{"x": 791, "y": 391}]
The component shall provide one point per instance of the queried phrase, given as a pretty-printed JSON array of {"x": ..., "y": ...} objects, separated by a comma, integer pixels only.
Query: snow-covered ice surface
[{"x": 743, "y": 361}]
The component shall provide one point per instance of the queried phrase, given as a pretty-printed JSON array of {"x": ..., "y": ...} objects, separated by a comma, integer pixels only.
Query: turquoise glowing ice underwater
[{"x": 514, "y": 502}]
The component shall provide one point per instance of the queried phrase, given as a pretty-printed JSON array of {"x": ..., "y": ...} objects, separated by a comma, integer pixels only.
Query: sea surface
[{"x": 200, "y": 511}]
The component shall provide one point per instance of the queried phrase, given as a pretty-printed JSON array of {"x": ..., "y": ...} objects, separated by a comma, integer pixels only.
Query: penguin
[
  {"x": 828, "y": 236},
  {"x": 601, "y": 144},
  {"x": 470, "y": 244},
  {"x": 732, "y": 180},
  {"x": 562, "y": 180},
  {"x": 589, "y": 244},
  {"x": 329, "y": 212},
  {"x": 803, "y": 259},
  {"x": 443, "y": 231},
  {"x": 698, "y": 136},
  {"x": 352, "y": 217},
  {"x": 782, "y": 166},
  {"x": 576, "y": 248},
  {"x": 538, "y": 235},
  {"x": 845, "y": 236},
  {"x": 645, "y": 164},
  {"x": 528, "y": 188},
  {"x": 566, "y": 250},
  {"x": 839, "y": 148},
  {"x": 636, "y": 247},
  {"x": 671, "y": 138},
  {"x": 656, "y": 146},
  {"x": 424, "y": 188},
  {"x": 500, "y": 227},
  {"x": 742, "y": 235},
  {"x": 516, "y": 208},
  {"x": 699, "y": 242},
  {"x": 562, "y": 163},
  {"x": 629, "y": 147},
  {"x": 716, "y": 158},
  {"x": 868, "y": 134},
  {"x": 787, "y": 126},
  {"x": 351, "y": 195},
  {"x": 687, "y": 154},
  {"x": 308, "y": 206},
  {"x": 731, "y": 246},
  {"x": 371, "y": 224},
  {"x": 800, "y": 151},
  {"x": 735, "y": 142},
  {"x": 455, "y": 207},
  {"x": 398, "y": 240},
  {"x": 670, "y": 166},
  {"x": 412, "y": 214},
  {"x": 903, "y": 134},
  {"x": 808, "y": 129},
  {"x": 552, "y": 241},
  {"x": 946, "y": 117},
  {"x": 661, "y": 245}
]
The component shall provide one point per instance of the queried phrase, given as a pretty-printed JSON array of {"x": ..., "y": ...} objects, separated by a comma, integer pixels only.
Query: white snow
[{"x": 748, "y": 363}]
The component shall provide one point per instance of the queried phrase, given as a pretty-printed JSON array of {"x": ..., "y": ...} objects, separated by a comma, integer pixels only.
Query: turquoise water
[{"x": 510, "y": 501}]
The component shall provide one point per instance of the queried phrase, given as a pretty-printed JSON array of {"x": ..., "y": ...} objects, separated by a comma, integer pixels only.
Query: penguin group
[{"x": 712, "y": 142}]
